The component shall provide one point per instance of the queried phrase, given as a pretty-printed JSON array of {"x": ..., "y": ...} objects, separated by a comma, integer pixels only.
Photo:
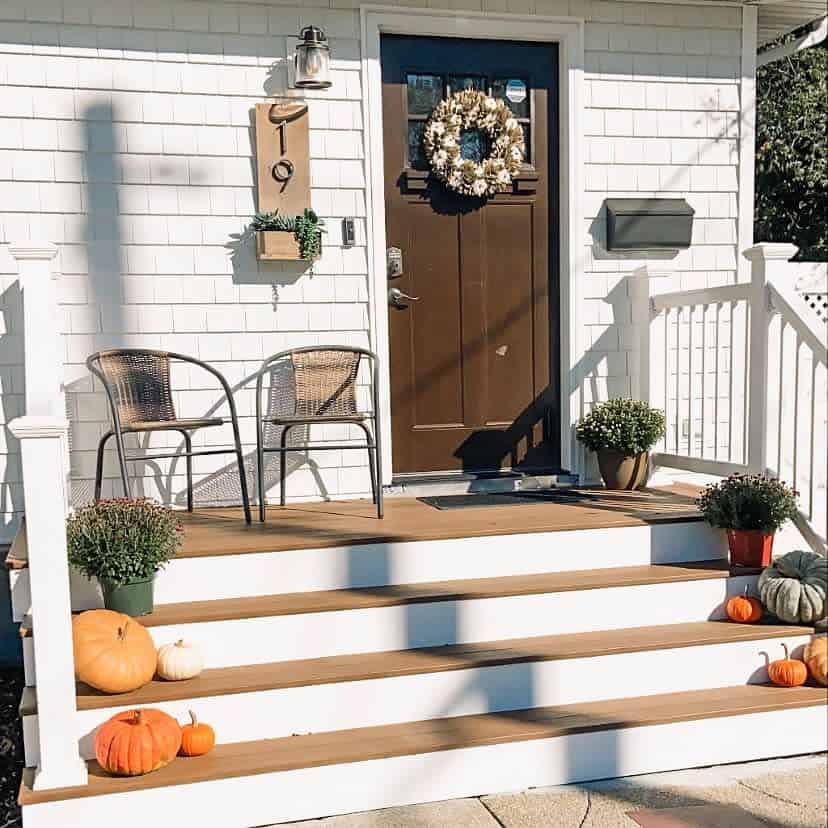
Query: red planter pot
[{"x": 750, "y": 547}]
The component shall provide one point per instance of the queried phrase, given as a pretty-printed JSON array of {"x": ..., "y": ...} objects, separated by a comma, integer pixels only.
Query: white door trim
[{"x": 568, "y": 33}]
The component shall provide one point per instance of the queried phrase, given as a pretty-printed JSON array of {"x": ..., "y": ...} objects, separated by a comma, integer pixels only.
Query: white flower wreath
[{"x": 468, "y": 110}]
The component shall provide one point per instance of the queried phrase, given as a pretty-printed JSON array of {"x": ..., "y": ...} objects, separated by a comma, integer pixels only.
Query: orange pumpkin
[
  {"x": 135, "y": 742},
  {"x": 787, "y": 672},
  {"x": 816, "y": 657},
  {"x": 197, "y": 738},
  {"x": 113, "y": 652},
  {"x": 743, "y": 609}
]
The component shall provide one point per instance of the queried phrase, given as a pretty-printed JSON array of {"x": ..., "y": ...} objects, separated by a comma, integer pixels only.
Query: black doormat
[{"x": 472, "y": 501}]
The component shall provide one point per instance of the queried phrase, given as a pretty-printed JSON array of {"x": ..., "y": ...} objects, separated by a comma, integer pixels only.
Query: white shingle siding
[{"x": 125, "y": 137}]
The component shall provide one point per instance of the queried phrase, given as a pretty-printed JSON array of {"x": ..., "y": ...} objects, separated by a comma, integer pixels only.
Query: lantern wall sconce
[{"x": 312, "y": 60}]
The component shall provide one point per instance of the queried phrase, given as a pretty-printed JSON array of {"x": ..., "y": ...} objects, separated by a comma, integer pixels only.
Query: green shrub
[
  {"x": 625, "y": 426},
  {"x": 748, "y": 501},
  {"x": 122, "y": 540}
]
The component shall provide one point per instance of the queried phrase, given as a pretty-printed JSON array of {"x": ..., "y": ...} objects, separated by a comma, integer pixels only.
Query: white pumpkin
[{"x": 179, "y": 661}]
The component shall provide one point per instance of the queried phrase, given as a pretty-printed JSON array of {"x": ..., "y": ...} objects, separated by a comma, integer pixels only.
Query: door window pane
[
  {"x": 515, "y": 94},
  {"x": 416, "y": 151},
  {"x": 460, "y": 82},
  {"x": 424, "y": 93}
]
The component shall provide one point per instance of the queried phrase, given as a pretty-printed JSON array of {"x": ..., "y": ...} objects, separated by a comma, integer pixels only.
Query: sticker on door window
[{"x": 516, "y": 91}]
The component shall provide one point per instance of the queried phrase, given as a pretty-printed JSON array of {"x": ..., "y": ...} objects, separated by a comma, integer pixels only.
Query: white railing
[
  {"x": 42, "y": 433},
  {"x": 740, "y": 371}
]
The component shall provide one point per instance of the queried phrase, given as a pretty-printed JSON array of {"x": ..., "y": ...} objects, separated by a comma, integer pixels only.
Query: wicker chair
[
  {"x": 137, "y": 384},
  {"x": 319, "y": 386}
]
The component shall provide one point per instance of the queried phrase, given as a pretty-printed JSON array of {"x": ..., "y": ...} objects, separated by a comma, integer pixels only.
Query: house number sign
[{"x": 283, "y": 157}]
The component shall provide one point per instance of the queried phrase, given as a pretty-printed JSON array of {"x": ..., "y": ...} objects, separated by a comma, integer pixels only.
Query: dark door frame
[{"x": 568, "y": 34}]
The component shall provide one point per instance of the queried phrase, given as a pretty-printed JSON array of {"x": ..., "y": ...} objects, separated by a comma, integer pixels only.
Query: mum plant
[
  {"x": 751, "y": 502},
  {"x": 750, "y": 508},
  {"x": 628, "y": 427},
  {"x": 123, "y": 543}
]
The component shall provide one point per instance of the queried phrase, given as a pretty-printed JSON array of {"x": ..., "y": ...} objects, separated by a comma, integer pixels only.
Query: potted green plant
[
  {"x": 288, "y": 237},
  {"x": 621, "y": 432},
  {"x": 750, "y": 508},
  {"x": 123, "y": 543}
]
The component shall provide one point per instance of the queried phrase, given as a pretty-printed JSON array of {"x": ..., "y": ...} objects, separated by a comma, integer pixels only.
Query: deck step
[
  {"x": 313, "y": 695},
  {"x": 286, "y": 627},
  {"x": 342, "y": 546},
  {"x": 299, "y": 777}
]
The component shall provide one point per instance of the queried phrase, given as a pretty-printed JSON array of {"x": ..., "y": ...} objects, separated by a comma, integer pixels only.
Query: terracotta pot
[
  {"x": 621, "y": 471},
  {"x": 750, "y": 547}
]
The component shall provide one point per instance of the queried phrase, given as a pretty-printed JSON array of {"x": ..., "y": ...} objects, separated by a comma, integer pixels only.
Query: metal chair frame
[
  {"x": 93, "y": 363},
  {"x": 372, "y": 442}
]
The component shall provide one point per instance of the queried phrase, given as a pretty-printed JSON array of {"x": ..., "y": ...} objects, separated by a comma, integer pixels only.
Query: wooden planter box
[{"x": 278, "y": 246}]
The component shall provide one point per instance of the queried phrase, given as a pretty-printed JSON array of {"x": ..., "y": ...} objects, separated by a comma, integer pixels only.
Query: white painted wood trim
[
  {"x": 747, "y": 136},
  {"x": 702, "y": 296},
  {"x": 568, "y": 32},
  {"x": 271, "y": 714},
  {"x": 42, "y": 446},
  {"x": 698, "y": 465},
  {"x": 800, "y": 44},
  {"x": 312, "y": 793}
]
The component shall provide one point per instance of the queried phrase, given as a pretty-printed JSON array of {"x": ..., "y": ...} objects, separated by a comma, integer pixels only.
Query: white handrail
[
  {"x": 704, "y": 296},
  {"x": 740, "y": 371}
]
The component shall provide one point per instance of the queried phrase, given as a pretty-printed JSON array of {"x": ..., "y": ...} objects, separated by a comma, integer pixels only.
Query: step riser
[
  {"x": 314, "y": 635},
  {"x": 335, "y": 789},
  {"x": 313, "y": 709},
  {"x": 409, "y": 562}
]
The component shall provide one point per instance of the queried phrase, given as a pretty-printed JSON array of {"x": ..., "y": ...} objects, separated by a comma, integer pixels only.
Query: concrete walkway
[{"x": 780, "y": 793}]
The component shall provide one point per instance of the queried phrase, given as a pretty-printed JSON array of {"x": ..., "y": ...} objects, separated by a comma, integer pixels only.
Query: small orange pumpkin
[
  {"x": 135, "y": 742},
  {"x": 743, "y": 609},
  {"x": 197, "y": 738},
  {"x": 787, "y": 672}
]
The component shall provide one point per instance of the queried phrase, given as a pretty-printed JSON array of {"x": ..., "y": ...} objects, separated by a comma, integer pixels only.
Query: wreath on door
[{"x": 468, "y": 120}]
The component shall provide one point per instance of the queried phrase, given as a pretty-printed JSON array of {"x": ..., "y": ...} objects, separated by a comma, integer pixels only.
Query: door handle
[{"x": 398, "y": 299}]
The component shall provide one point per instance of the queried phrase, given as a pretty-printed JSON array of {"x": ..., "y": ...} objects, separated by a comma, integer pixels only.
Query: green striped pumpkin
[{"x": 795, "y": 586}]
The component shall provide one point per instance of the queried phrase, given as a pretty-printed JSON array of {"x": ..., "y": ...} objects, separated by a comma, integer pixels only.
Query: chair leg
[
  {"x": 119, "y": 442},
  {"x": 371, "y": 462},
  {"x": 378, "y": 469},
  {"x": 260, "y": 458},
  {"x": 99, "y": 465},
  {"x": 282, "y": 470},
  {"x": 188, "y": 448}
]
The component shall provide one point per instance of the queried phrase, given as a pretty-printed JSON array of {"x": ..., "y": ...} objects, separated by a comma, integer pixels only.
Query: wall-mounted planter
[{"x": 278, "y": 246}]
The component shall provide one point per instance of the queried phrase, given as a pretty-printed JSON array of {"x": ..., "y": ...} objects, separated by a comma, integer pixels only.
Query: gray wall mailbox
[{"x": 648, "y": 223}]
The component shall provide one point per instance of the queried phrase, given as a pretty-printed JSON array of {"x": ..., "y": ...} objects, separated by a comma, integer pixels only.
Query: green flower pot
[{"x": 134, "y": 598}]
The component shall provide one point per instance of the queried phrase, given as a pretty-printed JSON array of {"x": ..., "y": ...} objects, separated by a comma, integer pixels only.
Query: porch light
[{"x": 312, "y": 60}]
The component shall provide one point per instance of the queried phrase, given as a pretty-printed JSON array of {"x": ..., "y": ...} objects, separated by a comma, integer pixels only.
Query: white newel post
[
  {"x": 43, "y": 433},
  {"x": 767, "y": 262}
]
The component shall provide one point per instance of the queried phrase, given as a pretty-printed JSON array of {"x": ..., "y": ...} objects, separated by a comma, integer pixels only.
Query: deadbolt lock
[{"x": 394, "y": 262}]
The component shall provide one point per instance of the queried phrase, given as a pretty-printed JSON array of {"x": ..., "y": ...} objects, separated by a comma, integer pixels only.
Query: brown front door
[{"x": 474, "y": 359}]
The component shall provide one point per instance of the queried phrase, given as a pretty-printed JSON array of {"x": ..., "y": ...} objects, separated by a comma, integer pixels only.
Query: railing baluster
[
  {"x": 703, "y": 378},
  {"x": 746, "y": 384},
  {"x": 812, "y": 448},
  {"x": 678, "y": 378},
  {"x": 716, "y": 390},
  {"x": 780, "y": 397},
  {"x": 690, "y": 430},
  {"x": 731, "y": 388},
  {"x": 796, "y": 409}
]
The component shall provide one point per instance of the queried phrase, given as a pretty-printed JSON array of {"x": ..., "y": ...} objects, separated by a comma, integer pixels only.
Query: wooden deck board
[
  {"x": 333, "y": 600},
  {"x": 410, "y": 738},
  {"x": 358, "y": 667},
  {"x": 321, "y": 525}
]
